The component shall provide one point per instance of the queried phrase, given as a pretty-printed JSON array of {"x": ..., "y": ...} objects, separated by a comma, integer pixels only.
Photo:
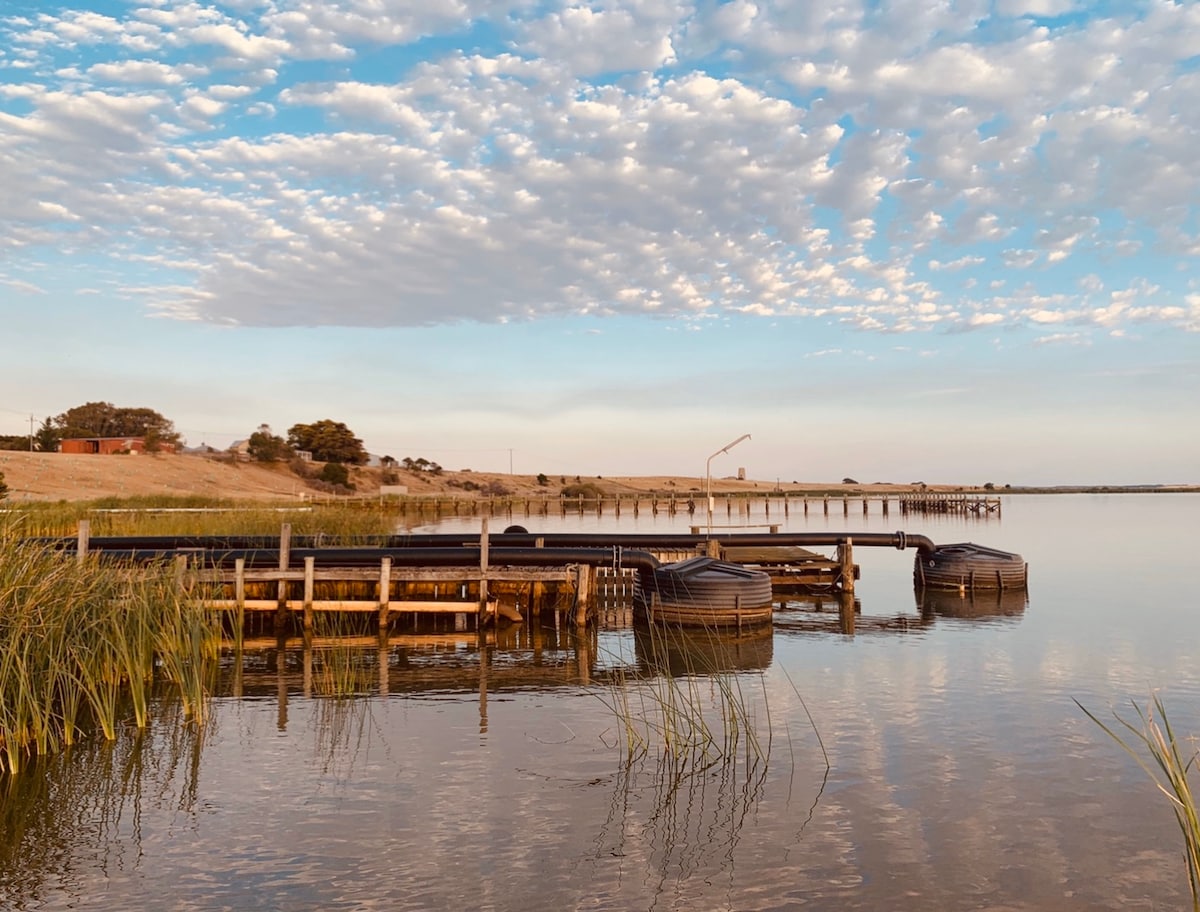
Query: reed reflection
[{"x": 62, "y": 812}]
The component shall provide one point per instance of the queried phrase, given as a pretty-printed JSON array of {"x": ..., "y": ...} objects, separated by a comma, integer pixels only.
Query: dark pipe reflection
[
  {"x": 676, "y": 650},
  {"x": 978, "y": 604}
]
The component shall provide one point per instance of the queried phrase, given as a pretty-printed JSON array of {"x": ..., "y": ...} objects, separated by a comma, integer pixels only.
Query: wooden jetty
[
  {"x": 485, "y": 579},
  {"x": 744, "y": 504}
]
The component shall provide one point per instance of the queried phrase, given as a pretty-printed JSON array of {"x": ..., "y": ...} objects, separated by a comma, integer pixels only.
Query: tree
[
  {"x": 103, "y": 419},
  {"x": 328, "y": 441},
  {"x": 264, "y": 446},
  {"x": 3, "y": 487},
  {"x": 14, "y": 442},
  {"x": 335, "y": 473},
  {"x": 47, "y": 436}
]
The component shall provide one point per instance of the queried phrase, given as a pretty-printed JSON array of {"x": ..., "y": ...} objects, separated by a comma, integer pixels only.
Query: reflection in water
[
  {"x": 979, "y": 604},
  {"x": 69, "y": 812},
  {"x": 461, "y": 771},
  {"x": 676, "y": 650}
]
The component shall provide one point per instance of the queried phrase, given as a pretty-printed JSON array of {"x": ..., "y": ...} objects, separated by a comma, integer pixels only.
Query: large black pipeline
[
  {"x": 643, "y": 542},
  {"x": 402, "y": 557}
]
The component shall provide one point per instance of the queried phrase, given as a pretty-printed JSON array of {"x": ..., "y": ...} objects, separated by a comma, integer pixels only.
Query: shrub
[
  {"x": 335, "y": 473},
  {"x": 584, "y": 489}
]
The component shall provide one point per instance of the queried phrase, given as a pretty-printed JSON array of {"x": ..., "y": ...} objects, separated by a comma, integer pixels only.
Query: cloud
[{"x": 318, "y": 164}]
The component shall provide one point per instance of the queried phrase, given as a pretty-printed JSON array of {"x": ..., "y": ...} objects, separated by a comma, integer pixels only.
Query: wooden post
[
  {"x": 483, "y": 569},
  {"x": 85, "y": 534},
  {"x": 239, "y": 594},
  {"x": 285, "y": 547},
  {"x": 385, "y": 591},
  {"x": 309, "y": 567},
  {"x": 846, "y": 612},
  {"x": 583, "y": 594},
  {"x": 846, "y": 558}
]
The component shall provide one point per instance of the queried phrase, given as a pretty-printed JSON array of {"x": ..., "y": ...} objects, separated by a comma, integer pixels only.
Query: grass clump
[
  {"x": 1152, "y": 742},
  {"x": 84, "y": 644}
]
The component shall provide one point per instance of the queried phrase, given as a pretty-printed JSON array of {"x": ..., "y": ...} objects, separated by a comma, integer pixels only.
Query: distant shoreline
[{"x": 33, "y": 477}]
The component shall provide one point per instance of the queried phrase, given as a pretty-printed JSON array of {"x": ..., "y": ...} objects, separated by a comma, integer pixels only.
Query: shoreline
[{"x": 49, "y": 477}]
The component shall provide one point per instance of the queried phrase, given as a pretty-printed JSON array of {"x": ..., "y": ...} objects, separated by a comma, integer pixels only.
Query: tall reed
[
  {"x": 340, "y": 523},
  {"x": 1169, "y": 767},
  {"x": 83, "y": 643}
]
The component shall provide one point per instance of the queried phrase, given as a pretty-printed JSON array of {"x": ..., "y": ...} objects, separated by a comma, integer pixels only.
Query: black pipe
[
  {"x": 403, "y": 557},
  {"x": 643, "y": 542}
]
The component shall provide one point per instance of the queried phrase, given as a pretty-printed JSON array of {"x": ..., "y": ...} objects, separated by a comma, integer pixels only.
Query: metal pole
[{"x": 708, "y": 479}]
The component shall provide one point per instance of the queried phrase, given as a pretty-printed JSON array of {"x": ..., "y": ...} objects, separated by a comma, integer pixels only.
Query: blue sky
[{"x": 893, "y": 241}]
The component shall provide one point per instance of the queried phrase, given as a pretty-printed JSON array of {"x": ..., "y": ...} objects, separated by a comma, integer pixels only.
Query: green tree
[
  {"x": 264, "y": 446},
  {"x": 328, "y": 441},
  {"x": 103, "y": 419},
  {"x": 14, "y": 442},
  {"x": 47, "y": 436},
  {"x": 3, "y": 487},
  {"x": 336, "y": 473}
]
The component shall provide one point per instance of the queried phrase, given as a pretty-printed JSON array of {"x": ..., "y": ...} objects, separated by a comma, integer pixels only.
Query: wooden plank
[
  {"x": 774, "y": 554},
  {"x": 372, "y": 605}
]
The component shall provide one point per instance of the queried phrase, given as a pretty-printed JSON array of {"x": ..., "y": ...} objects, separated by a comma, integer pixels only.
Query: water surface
[{"x": 961, "y": 774}]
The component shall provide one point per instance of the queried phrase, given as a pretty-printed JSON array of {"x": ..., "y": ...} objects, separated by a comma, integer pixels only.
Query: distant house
[{"x": 109, "y": 445}]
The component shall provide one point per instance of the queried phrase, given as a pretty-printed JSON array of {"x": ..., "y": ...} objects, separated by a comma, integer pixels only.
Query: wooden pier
[{"x": 573, "y": 584}]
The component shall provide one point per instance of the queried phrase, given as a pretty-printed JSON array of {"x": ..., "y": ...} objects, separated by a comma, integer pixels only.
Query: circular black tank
[
  {"x": 704, "y": 591},
  {"x": 969, "y": 566}
]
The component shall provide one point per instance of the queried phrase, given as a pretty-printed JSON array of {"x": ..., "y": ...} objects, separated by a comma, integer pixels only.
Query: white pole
[{"x": 708, "y": 478}]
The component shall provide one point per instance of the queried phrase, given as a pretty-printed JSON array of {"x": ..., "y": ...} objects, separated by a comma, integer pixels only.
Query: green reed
[
  {"x": 340, "y": 523},
  {"x": 82, "y": 644},
  {"x": 690, "y": 707},
  {"x": 1152, "y": 742}
]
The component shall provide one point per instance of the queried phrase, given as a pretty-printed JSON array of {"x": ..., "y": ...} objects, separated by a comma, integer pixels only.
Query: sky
[{"x": 895, "y": 241}]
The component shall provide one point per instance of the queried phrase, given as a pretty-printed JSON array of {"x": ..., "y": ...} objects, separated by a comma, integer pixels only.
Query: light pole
[{"x": 708, "y": 478}]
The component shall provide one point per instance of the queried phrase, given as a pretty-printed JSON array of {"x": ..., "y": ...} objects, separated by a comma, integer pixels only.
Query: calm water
[{"x": 961, "y": 773}]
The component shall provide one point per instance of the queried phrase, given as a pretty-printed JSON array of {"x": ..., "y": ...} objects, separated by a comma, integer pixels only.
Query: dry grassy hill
[{"x": 59, "y": 476}]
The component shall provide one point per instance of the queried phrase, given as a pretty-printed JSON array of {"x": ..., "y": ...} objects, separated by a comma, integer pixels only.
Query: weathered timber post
[
  {"x": 846, "y": 559},
  {"x": 483, "y": 570},
  {"x": 85, "y": 534},
  {"x": 846, "y": 612},
  {"x": 239, "y": 595},
  {"x": 285, "y": 548},
  {"x": 583, "y": 594},
  {"x": 309, "y": 568},
  {"x": 385, "y": 591},
  {"x": 712, "y": 548}
]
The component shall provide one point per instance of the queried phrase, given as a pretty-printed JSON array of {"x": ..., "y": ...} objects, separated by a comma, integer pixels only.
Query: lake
[{"x": 935, "y": 758}]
